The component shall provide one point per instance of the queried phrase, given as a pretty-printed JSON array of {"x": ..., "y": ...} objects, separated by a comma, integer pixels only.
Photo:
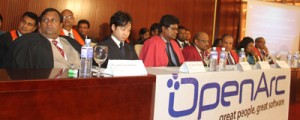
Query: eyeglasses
[
  {"x": 204, "y": 41},
  {"x": 47, "y": 20},
  {"x": 68, "y": 17},
  {"x": 174, "y": 28}
]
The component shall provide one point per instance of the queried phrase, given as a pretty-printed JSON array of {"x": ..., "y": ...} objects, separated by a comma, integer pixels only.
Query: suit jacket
[
  {"x": 154, "y": 52},
  {"x": 77, "y": 36},
  {"x": 184, "y": 44},
  {"x": 5, "y": 42},
  {"x": 114, "y": 52},
  {"x": 35, "y": 51}
]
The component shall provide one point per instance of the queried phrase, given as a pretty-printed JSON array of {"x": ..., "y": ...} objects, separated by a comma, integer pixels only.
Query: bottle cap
[{"x": 87, "y": 41}]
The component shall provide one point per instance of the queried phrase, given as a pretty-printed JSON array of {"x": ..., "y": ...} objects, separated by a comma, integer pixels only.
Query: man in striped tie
[{"x": 45, "y": 49}]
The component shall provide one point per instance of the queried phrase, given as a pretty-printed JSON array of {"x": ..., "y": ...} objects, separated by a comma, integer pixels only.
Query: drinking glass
[{"x": 100, "y": 55}]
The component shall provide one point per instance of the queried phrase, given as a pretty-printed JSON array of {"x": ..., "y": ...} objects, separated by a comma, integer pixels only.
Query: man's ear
[{"x": 113, "y": 27}]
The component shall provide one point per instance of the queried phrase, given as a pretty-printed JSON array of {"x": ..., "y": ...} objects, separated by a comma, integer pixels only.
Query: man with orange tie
[
  {"x": 199, "y": 50},
  {"x": 68, "y": 30},
  {"x": 45, "y": 49},
  {"x": 28, "y": 24}
]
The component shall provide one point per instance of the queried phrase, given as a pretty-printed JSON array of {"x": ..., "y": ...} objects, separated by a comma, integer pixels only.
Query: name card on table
[
  {"x": 243, "y": 66},
  {"x": 262, "y": 65},
  {"x": 282, "y": 64},
  {"x": 125, "y": 68},
  {"x": 191, "y": 67}
]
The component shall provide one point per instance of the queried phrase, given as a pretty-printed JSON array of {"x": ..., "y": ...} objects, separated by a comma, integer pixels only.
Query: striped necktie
[{"x": 58, "y": 48}]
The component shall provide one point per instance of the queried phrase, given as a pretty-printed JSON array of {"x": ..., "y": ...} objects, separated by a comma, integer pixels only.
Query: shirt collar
[
  {"x": 163, "y": 39},
  {"x": 116, "y": 40},
  {"x": 19, "y": 34},
  {"x": 67, "y": 32}
]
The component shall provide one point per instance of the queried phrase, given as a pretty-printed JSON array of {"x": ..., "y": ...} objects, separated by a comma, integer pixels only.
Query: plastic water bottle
[
  {"x": 242, "y": 55},
  {"x": 213, "y": 60},
  {"x": 86, "y": 59},
  {"x": 296, "y": 58},
  {"x": 222, "y": 60},
  {"x": 290, "y": 59}
]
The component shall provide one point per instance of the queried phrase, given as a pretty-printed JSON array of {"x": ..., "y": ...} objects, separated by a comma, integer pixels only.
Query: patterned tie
[
  {"x": 203, "y": 57},
  {"x": 122, "y": 50},
  {"x": 170, "y": 52},
  {"x": 58, "y": 48},
  {"x": 230, "y": 62}
]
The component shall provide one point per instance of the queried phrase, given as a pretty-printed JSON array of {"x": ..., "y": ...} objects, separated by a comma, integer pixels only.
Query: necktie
[
  {"x": 171, "y": 54},
  {"x": 58, "y": 48},
  {"x": 230, "y": 62},
  {"x": 122, "y": 50},
  {"x": 262, "y": 57},
  {"x": 203, "y": 57},
  {"x": 70, "y": 35}
]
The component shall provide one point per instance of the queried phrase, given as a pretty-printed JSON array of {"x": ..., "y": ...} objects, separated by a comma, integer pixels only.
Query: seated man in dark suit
[
  {"x": 181, "y": 37},
  {"x": 118, "y": 49},
  {"x": 227, "y": 43},
  {"x": 27, "y": 24},
  {"x": 45, "y": 49},
  {"x": 198, "y": 50}
]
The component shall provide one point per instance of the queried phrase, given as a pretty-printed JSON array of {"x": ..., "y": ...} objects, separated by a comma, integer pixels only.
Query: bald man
[
  {"x": 198, "y": 50},
  {"x": 227, "y": 43},
  {"x": 68, "y": 30}
]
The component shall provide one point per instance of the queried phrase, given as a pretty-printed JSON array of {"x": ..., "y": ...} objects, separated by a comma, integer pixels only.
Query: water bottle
[
  {"x": 222, "y": 60},
  {"x": 242, "y": 55},
  {"x": 290, "y": 59},
  {"x": 213, "y": 60},
  {"x": 86, "y": 59}
]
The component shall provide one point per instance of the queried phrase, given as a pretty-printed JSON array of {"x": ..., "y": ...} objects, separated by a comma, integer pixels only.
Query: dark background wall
[{"x": 196, "y": 15}]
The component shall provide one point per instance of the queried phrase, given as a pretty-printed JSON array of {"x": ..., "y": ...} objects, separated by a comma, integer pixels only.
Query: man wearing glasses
[
  {"x": 162, "y": 50},
  {"x": 199, "y": 50},
  {"x": 68, "y": 30},
  {"x": 45, "y": 49}
]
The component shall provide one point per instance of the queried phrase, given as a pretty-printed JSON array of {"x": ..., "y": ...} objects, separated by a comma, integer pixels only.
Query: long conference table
[{"x": 49, "y": 94}]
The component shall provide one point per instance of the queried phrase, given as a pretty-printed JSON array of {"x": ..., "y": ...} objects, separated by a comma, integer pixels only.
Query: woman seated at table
[{"x": 248, "y": 44}]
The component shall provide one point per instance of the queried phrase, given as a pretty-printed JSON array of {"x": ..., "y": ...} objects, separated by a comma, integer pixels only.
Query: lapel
[{"x": 114, "y": 49}]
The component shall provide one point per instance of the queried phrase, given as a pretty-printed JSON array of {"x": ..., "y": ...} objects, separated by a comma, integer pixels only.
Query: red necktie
[{"x": 58, "y": 48}]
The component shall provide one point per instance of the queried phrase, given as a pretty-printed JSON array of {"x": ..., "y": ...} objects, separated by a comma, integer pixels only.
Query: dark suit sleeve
[
  {"x": 5, "y": 42},
  {"x": 74, "y": 43}
]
